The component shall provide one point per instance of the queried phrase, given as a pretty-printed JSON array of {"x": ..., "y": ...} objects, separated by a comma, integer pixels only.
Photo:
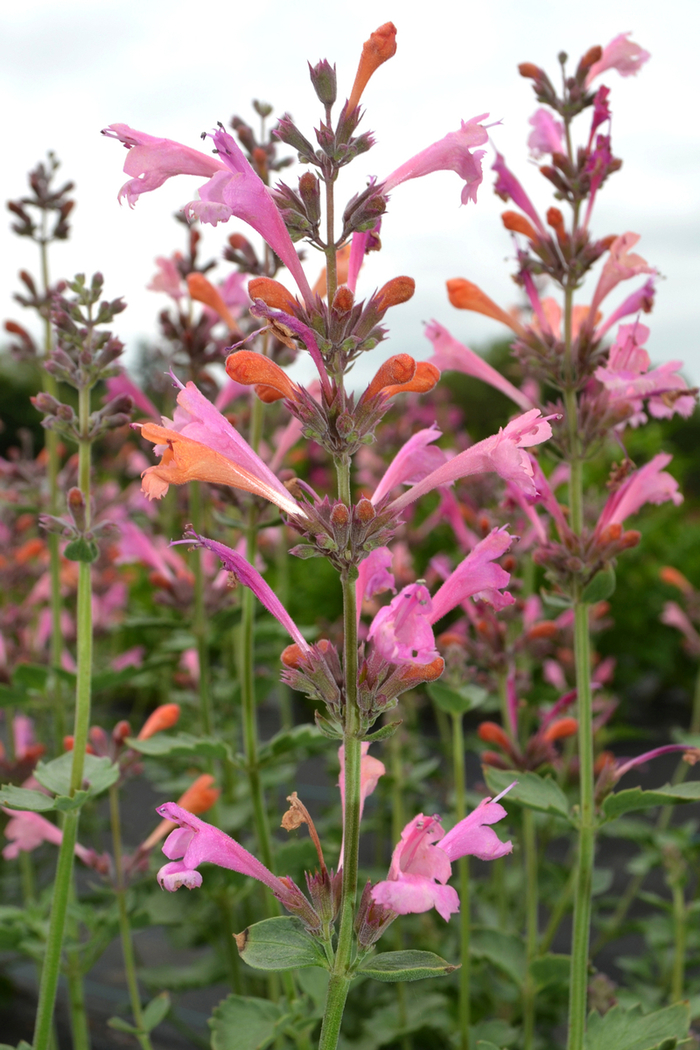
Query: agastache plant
[
  {"x": 598, "y": 390},
  {"x": 334, "y": 328}
]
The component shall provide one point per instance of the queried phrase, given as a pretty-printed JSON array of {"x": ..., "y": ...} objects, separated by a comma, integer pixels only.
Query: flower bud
[
  {"x": 513, "y": 220},
  {"x": 164, "y": 717},
  {"x": 630, "y": 538},
  {"x": 530, "y": 71},
  {"x": 380, "y": 47},
  {"x": 200, "y": 795},
  {"x": 675, "y": 578},
  {"x": 425, "y": 378},
  {"x": 252, "y": 369},
  {"x": 310, "y": 193},
  {"x": 397, "y": 290},
  {"x": 292, "y": 656},
  {"x": 397, "y": 369},
  {"x": 492, "y": 733},
  {"x": 325, "y": 82},
  {"x": 340, "y": 515},
  {"x": 610, "y": 534},
  {"x": 77, "y": 508},
  {"x": 560, "y": 729},
  {"x": 120, "y": 732},
  {"x": 545, "y": 629},
  {"x": 593, "y": 55},
  {"x": 343, "y": 300},
  {"x": 365, "y": 511},
  {"x": 273, "y": 294}
]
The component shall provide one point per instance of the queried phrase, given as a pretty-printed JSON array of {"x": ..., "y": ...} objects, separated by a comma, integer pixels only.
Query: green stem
[
  {"x": 680, "y": 920},
  {"x": 64, "y": 868},
  {"x": 464, "y": 889},
  {"x": 124, "y": 924},
  {"x": 531, "y": 925},
  {"x": 578, "y": 988},
  {"x": 341, "y": 972},
  {"x": 558, "y": 913},
  {"x": 201, "y": 631},
  {"x": 330, "y": 252},
  {"x": 397, "y": 825},
  {"x": 80, "y": 1033}
]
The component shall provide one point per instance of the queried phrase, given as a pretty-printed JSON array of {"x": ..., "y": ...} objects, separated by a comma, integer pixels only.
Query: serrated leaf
[
  {"x": 531, "y": 790},
  {"x": 279, "y": 944},
  {"x": 244, "y": 1023},
  {"x": 601, "y": 587},
  {"x": 98, "y": 772},
  {"x": 180, "y": 744},
  {"x": 21, "y": 798},
  {"x": 64, "y": 803},
  {"x": 620, "y": 1029},
  {"x": 635, "y": 799},
  {"x": 551, "y": 969},
  {"x": 405, "y": 966},
  {"x": 156, "y": 1011},
  {"x": 459, "y": 700},
  {"x": 502, "y": 949}
]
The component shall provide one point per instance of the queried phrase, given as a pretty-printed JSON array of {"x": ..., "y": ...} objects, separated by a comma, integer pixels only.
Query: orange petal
[
  {"x": 380, "y": 47},
  {"x": 563, "y": 727},
  {"x": 204, "y": 292},
  {"x": 250, "y": 368},
  {"x": 200, "y": 795},
  {"x": 397, "y": 290},
  {"x": 399, "y": 369},
  {"x": 513, "y": 220},
  {"x": 468, "y": 296},
  {"x": 187, "y": 460},
  {"x": 425, "y": 378},
  {"x": 273, "y": 293},
  {"x": 163, "y": 717},
  {"x": 676, "y": 579},
  {"x": 492, "y": 733}
]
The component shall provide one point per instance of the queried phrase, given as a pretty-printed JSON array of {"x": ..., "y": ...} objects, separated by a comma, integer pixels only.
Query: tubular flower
[
  {"x": 27, "y": 830},
  {"x": 421, "y": 863},
  {"x": 233, "y": 188},
  {"x": 402, "y": 631},
  {"x": 203, "y": 291},
  {"x": 468, "y": 296},
  {"x": 201, "y": 444},
  {"x": 502, "y": 453},
  {"x": 621, "y": 54},
  {"x": 546, "y": 134},
  {"x": 451, "y": 153},
  {"x": 199, "y": 797},
  {"x": 451, "y": 355},
  {"x": 252, "y": 369},
  {"x": 649, "y": 484},
  {"x": 380, "y": 47},
  {"x": 621, "y": 265},
  {"x": 164, "y": 717}
]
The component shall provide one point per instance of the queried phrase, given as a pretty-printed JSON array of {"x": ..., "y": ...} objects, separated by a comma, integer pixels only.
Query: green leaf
[
  {"x": 21, "y": 798},
  {"x": 200, "y": 974},
  {"x": 531, "y": 790},
  {"x": 502, "y": 949},
  {"x": 302, "y": 737},
  {"x": 634, "y": 798},
  {"x": 483, "y": 1044},
  {"x": 22, "y": 1045},
  {"x": 31, "y": 676},
  {"x": 459, "y": 700},
  {"x": 81, "y": 550},
  {"x": 620, "y": 1029},
  {"x": 98, "y": 772},
  {"x": 550, "y": 969},
  {"x": 121, "y": 1026},
  {"x": 64, "y": 803},
  {"x": 601, "y": 587},
  {"x": 384, "y": 733},
  {"x": 180, "y": 744},
  {"x": 314, "y": 983},
  {"x": 279, "y": 944},
  {"x": 242, "y": 1023},
  {"x": 156, "y": 1011},
  {"x": 405, "y": 966}
]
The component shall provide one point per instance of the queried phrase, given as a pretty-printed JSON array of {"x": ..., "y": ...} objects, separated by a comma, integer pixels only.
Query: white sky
[{"x": 173, "y": 69}]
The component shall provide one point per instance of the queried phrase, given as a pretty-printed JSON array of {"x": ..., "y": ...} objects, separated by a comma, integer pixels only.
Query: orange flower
[
  {"x": 676, "y": 579},
  {"x": 199, "y": 797},
  {"x": 425, "y": 378},
  {"x": 163, "y": 717},
  {"x": 513, "y": 220},
  {"x": 252, "y": 369},
  {"x": 399, "y": 369},
  {"x": 204, "y": 292},
  {"x": 380, "y": 47},
  {"x": 273, "y": 294},
  {"x": 468, "y": 296},
  {"x": 559, "y": 729}
]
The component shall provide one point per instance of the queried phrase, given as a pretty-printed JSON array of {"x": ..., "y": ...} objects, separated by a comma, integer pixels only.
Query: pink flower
[
  {"x": 233, "y": 187},
  {"x": 402, "y": 631},
  {"x": 27, "y": 830},
  {"x": 451, "y": 153},
  {"x": 414, "y": 461},
  {"x": 168, "y": 279},
  {"x": 420, "y": 867},
  {"x": 450, "y": 355},
  {"x": 244, "y": 572},
  {"x": 195, "y": 842},
  {"x": 375, "y": 575},
  {"x": 371, "y": 769},
  {"x": 546, "y": 134},
  {"x": 508, "y": 188},
  {"x": 362, "y": 242},
  {"x": 201, "y": 444},
  {"x": 621, "y": 54},
  {"x": 122, "y": 384},
  {"x": 621, "y": 265},
  {"x": 674, "y": 616},
  {"x": 627, "y": 379},
  {"x": 502, "y": 453},
  {"x": 649, "y": 484}
]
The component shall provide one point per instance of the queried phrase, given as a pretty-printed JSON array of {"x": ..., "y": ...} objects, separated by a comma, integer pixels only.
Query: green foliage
[
  {"x": 244, "y": 1023},
  {"x": 530, "y": 790},
  {"x": 620, "y": 1029},
  {"x": 635, "y": 798},
  {"x": 405, "y": 966},
  {"x": 279, "y": 944}
]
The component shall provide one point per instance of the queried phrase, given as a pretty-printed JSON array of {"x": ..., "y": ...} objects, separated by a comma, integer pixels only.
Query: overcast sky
[{"x": 173, "y": 69}]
